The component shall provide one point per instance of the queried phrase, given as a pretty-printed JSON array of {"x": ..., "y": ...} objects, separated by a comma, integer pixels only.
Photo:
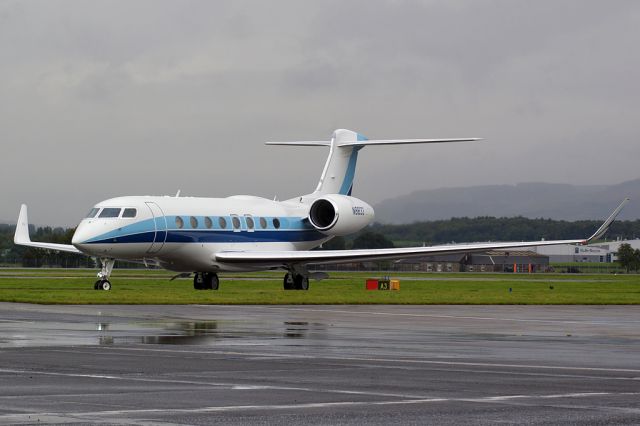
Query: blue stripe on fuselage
[
  {"x": 213, "y": 236},
  {"x": 291, "y": 229}
]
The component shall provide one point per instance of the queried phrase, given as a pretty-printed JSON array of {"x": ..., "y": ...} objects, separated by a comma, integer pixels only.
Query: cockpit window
[
  {"x": 92, "y": 213},
  {"x": 129, "y": 213},
  {"x": 110, "y": 212}
]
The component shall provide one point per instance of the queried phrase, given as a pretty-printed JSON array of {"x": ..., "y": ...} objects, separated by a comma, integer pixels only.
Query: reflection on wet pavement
[
  {"x": 156, "y": 332},
  {"x": 197, "y": 332}
]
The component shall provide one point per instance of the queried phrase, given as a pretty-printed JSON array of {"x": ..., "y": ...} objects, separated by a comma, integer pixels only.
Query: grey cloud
[{"x": 99, "y": 99}]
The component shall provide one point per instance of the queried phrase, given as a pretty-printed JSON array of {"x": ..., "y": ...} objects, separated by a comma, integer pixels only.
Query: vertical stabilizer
[{"x": 340, "y": 168}]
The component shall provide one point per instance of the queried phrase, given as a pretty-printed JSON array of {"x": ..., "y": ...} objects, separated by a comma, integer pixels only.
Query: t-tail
[{"x": 340, "y": 168}]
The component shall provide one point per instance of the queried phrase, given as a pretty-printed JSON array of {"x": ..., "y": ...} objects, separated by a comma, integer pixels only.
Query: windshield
[
  {"x": 92, "y": 213},
  {"x": 110, "y": 212}
]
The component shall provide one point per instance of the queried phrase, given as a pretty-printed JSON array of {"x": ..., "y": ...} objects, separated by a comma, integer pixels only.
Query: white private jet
[{"x": 206, "y": 236}]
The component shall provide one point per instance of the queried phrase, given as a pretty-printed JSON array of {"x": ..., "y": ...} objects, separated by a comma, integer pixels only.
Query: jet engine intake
[{"x": 339, "y": 215}]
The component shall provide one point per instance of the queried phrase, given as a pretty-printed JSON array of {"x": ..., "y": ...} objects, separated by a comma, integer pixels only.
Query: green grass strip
[{"x": 67, "y": 286}]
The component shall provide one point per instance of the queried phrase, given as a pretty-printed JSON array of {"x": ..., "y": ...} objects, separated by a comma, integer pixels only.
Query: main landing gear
[
  {"x": 103, "y": 282},
  {"x": 296, "y": 282},
  {"x": 206, "y": 281}
]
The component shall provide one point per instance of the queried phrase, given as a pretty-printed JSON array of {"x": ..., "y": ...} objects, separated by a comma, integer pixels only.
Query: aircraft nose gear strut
[{"x": 103, "y": 282}]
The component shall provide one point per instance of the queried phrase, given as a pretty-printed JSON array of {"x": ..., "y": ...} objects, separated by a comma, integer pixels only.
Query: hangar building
[
  {"x": 603, "y": 252},
  {"x": 489, "y": 261}
]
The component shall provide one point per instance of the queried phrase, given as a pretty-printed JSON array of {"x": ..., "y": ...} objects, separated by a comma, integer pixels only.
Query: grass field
[{"x": 75, "y": 286}]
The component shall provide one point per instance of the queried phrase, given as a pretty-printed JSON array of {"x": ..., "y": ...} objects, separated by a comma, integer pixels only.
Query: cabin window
[
  {"x": 208, "y": 223},
  {"x": 129, "y": 213},
  {"x": 276, "y": 223},
  {"x": 236, "y": 222},
  {"x": 263, "y": 223},
  {"x": 250, "y": 222},
  {"x": 92, "y": 213},
  {"x": 222, "y": 222},
  {"x": 193, "y": 221},
  {"x": 179, "y": 222},
  {"x": 110, "y": 212}
]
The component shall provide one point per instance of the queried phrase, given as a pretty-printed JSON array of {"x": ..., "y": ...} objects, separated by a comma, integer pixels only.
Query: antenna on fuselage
[{"x": 178, "y": 193}]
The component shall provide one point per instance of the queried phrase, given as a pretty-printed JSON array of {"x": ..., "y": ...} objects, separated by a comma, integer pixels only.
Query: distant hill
[{"x": 532, "y": 200}]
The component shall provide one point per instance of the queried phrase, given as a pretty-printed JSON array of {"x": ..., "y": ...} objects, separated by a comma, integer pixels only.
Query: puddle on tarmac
[
  {"x": 208, "y": 332},
  {"x": 163, "y": 332}
]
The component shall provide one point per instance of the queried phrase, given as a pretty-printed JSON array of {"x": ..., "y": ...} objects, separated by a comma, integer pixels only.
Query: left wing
[{"x": 279, "y": 258}]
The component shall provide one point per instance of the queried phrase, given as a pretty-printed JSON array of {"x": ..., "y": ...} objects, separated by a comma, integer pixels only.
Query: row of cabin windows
[
  {"x": 112, "y": 212},
  {"x": 222, "y": 222}
]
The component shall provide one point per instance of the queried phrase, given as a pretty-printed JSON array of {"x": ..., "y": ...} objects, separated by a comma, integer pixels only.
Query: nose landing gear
[{"x": 103, "y": 282}]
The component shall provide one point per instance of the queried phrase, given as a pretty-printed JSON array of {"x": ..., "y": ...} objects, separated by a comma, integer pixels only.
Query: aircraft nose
[{"x": 80, "y": 236}]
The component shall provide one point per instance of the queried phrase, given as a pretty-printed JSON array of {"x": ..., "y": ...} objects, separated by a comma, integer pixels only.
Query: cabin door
[{"x": 160, "y": 222}]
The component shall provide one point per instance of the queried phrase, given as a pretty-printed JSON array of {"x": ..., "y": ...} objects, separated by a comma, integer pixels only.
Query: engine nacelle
[{"x": 339, "y": 215}]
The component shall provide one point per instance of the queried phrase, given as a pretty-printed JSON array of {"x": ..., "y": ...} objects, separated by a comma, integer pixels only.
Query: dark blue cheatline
[{"x": 215, "y": 236}]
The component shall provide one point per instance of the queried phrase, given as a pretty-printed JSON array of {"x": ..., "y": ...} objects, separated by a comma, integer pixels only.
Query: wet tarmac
[{"x": 319, "y": 364}]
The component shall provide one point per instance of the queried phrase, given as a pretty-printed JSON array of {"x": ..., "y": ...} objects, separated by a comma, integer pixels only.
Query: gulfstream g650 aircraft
[{"x": 206, "y": 236}]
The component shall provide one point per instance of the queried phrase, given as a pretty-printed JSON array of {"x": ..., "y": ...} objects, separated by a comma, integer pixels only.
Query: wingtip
[
  {"x": 22, "y": 227},
  {"x": 607, "y": 223}
]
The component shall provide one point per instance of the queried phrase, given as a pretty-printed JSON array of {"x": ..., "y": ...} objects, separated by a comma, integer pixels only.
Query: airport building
[
  {"x": 489, "y": 261},
  {"x": 537, "y": 259},
  {"x": 604, "y": 252}
]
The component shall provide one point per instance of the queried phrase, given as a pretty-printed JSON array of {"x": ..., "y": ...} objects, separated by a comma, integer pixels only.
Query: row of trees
[
  {"x": 465, "y": 229},
  {"x": 629, "y": 258},
  {"x": 10, "y": 254}
]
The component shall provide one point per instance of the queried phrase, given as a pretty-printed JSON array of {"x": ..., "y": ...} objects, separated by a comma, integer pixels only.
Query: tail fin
[{"x": 340, "y": 168}]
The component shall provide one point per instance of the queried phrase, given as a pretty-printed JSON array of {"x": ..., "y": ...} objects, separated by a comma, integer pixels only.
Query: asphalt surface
[{"x": 451, "y": 365}]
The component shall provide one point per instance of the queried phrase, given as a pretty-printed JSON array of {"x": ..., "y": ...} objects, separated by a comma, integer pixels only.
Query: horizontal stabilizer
[
  {"x": 372, "y": 142},
  {"x": 404, "y": 141},
  {"x": 301, "y": 143}
]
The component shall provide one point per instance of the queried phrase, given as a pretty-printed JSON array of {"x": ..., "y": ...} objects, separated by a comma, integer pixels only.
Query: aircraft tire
[
  {"x": 96, "y": 285},
  {"x": 198, "y": 281},
  {"x": 289, "y": 282},
  {"x": 213, "y": 282},
  {"x": 301, "y": 282},
  {"x": 105, "y": 285},
  {"x": 304, "y": 283}
]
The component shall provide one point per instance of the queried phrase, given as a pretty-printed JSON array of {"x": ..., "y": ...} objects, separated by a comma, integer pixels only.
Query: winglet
[
  {"x": 21, "y": 237},
  {"x": 605, "y": 226},
  {"x": 22, "y": 227}
]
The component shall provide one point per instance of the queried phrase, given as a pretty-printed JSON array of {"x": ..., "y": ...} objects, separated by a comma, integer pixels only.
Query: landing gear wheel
[
  {"x": 288, "y": 282},
  {"x": 104, "y": 274},
  {"x": 214, "y": 282},
  {"x": 198, "y": 281},
  {"x": 206, "y": 281},
  {"x": 301, "y": 282}
]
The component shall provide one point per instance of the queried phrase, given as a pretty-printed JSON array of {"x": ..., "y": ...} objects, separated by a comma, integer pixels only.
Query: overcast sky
[{"x": 101, "y": 99}]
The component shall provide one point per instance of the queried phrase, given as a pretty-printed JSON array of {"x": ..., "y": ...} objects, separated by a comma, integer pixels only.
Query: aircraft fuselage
[{"x": 184, "y": 233}]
